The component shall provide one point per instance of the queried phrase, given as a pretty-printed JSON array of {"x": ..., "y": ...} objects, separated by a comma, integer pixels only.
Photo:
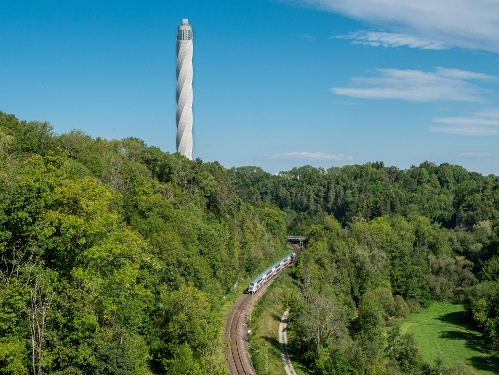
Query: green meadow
[{"x": 442, "y": 330}]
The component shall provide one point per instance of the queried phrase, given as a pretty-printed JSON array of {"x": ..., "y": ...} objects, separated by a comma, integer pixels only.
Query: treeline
[
  {"x": 114, "y": 256},
  {"x": 384, "y": 243},
  {"x": 447, "y": 194}
]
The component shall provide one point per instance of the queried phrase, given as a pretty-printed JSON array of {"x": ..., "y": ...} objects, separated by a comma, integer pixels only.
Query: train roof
[{"x": 261, "y": 275}]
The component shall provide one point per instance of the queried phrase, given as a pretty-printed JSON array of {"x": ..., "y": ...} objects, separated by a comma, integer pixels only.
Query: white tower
[{"x": 184, "y": 89}]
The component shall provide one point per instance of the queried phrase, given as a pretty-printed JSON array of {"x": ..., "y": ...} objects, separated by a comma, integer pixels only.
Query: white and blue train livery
[{"x": 269, "y": 273}]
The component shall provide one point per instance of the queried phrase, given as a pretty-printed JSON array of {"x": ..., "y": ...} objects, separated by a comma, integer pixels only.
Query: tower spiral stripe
[{"x": 184, "y": 89}]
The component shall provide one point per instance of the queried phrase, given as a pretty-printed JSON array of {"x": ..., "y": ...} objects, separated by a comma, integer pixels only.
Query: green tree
[
  {"x": 370, "y": 322},
  {"x": 403, "y": 349}
]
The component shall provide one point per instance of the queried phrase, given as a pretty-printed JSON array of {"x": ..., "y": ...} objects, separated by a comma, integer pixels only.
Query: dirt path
[{"x": 283, "y": 342}]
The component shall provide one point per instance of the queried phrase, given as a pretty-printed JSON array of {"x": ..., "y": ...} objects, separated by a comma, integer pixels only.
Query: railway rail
[
  {"x": 236, "y": 330},
  {"x": 239, "y": 362}
]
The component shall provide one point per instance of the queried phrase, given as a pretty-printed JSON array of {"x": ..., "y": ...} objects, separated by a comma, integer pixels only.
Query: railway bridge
[{"x": 297, "y": 239}]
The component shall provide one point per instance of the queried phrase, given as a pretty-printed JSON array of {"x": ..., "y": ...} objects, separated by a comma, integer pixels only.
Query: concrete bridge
[{"x": 297, "y": 239}]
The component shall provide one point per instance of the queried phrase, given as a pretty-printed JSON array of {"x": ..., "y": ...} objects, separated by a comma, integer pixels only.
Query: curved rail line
[
  {"x": 235, "y": 331},
  {"x": 238, "y": 358}
]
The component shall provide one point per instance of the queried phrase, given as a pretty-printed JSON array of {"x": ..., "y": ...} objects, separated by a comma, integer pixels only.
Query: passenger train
[{"x": 269, "y": 273}]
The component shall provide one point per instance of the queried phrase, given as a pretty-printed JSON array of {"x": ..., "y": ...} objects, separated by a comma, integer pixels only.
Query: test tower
[{"x": 184, "y": 89}]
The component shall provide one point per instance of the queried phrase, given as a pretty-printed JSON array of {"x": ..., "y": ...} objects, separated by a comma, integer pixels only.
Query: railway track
[
  {"x": 237, "y": 332},
  {"x": 239, "y": 338}
]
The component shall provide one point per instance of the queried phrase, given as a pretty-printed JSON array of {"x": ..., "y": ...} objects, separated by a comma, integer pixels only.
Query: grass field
[
  {"x": 265, "y": 327},
  {"x": 442, "y": 330}
]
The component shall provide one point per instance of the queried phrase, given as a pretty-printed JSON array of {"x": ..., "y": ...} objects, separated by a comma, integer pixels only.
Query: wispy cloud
[
  {"x": 483, "y": 123},
  {"x": 472, "y": 130},
  {"x": 477, "y": 155},
  {"x": 418, "y": 86},
  {"x": 307, "y": 37},
  {"x": 463, "y": 23},
  {"x": 384, "y": 39},
  {"x": 311, "y": 156}
]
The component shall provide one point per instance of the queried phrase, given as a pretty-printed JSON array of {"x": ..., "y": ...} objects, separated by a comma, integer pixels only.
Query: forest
[{"x": 115, "y": 256}]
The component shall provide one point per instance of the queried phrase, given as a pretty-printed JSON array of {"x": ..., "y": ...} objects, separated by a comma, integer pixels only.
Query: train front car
[
  {"x": 256, "y": 283},
  {"x": 251, "y": 288}
]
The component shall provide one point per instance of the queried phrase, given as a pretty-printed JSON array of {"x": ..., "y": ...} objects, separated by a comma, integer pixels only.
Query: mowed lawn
[{"x": 442, "y": 330}]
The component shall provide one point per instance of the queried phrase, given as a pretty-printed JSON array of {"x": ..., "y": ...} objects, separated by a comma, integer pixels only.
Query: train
[{"x": 270, "y": 273}]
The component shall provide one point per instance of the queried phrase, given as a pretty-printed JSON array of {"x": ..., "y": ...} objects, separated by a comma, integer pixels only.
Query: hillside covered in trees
[{"x": 115, "y": 256}]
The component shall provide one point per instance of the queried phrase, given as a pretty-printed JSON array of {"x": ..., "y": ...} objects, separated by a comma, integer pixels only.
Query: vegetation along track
[
  {"x": 239, "y": 362},
  {"x": 235, "y": 326}
]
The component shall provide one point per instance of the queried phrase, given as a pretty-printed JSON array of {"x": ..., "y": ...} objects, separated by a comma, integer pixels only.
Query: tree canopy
[{"x": 115, "y": 256}]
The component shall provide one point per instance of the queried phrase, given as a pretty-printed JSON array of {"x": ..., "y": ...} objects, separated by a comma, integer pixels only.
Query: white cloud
[
  {"x": 478, "y": 155},
  {"x": 311, "y": 156},
  {"x": 483, "y": 123},
  {"x": 308, "y": 37},
  {"x": 378, "y": 38},
  {"x": 415, "y": 85},
  {"x": 477, "y": 131},
  {"x": 463, "y": 23},
  {"x": 464, "y": 74}
]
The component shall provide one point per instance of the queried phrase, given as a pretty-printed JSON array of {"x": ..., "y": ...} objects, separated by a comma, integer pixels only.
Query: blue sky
[{"x": 277, "y": 83}]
